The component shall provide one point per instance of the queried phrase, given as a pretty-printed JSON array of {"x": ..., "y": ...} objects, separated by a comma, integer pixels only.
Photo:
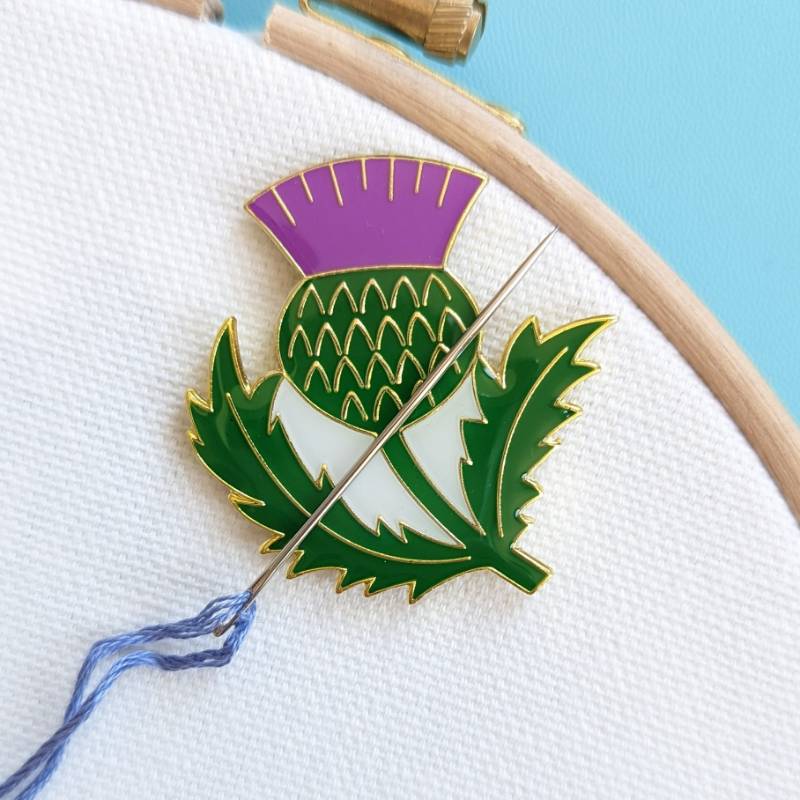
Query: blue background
[{"x": 685, "y": 118}]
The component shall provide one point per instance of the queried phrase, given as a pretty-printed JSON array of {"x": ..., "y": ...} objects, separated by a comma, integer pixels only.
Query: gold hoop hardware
[{"x": 449, "y": 29}]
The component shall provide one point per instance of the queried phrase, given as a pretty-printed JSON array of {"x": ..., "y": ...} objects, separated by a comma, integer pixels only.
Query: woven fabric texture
[{"x": 660, "y": 661}]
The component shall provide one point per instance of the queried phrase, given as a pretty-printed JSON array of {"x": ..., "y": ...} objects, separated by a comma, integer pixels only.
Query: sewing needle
[{"x": 391, "y": 429}]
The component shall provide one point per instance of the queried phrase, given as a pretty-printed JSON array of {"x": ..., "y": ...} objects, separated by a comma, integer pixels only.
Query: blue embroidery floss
[
  {"x": 38, "y": 769},
  {"x": 234, "y": 614}
]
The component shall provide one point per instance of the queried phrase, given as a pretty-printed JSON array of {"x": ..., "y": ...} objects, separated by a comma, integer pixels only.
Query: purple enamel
[{"x": 395, "y": 220}]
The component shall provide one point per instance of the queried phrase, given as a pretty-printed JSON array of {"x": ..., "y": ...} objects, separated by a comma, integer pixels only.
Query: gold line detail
[
  {"x": 357, "y": 324},
  {"x": 311, "y": 291},
  {"x": 337, "y": 375},
  {"x": 285, "y": 210},
  {"x": 440, "y": 201},
  {"x": 391, "y": 179},
  {"x": 352, "y": 398},
  {"x": 327, "y": 330},
  {"x": 419, "y": 177},
  {"x": 317, "y": 368},
  {"x": 385, "y": 392},
  {"x": 342, "y": 288},
  {"x": 336, "y": 185},
  {"x": 388, "y": 322},
  {"x": 299, "y": 332},
  {"x": 364, "y": 174},
  {"x": 305, "y": 188},
  {"x": 528, "y": 395},
  {"x": 426, "y": 290},
  {"x": 375, "y": 286}
]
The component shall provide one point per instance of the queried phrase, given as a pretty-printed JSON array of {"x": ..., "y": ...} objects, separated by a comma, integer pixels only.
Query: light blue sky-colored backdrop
[{"x": 685, "y": 118}]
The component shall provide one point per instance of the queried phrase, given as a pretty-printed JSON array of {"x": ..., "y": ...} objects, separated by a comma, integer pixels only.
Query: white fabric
[{"x": 661, "y": 659}]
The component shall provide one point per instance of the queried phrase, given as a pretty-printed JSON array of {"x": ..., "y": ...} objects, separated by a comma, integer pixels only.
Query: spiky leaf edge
[
  {"x": 310, "y": 558},
  {"x": 496, "y": 386}
]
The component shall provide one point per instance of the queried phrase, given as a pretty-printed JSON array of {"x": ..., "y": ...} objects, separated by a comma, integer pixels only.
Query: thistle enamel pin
[
  {"x": 373, "y": 316},
  {"x": 385, "y": 448}
]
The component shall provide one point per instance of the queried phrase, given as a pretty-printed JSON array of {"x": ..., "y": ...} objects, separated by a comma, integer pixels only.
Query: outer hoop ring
[{"x": 471, "y": 128}]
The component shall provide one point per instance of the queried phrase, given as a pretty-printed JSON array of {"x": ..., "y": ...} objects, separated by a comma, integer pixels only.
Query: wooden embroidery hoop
[{"x": 481, "y": 134}]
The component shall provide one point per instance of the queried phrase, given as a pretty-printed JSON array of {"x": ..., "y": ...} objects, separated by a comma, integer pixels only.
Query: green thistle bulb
[{"x": 356, "y": 343}]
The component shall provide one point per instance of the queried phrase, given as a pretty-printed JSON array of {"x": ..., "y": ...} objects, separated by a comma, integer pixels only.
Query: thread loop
[{"x": 42, "y": 764}]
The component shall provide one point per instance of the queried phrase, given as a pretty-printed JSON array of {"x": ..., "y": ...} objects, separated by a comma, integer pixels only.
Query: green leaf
[
  {"x": 321, "y": 552},
  {"x": 234, "y": 438},
  {"x": 523, "y": 407}
]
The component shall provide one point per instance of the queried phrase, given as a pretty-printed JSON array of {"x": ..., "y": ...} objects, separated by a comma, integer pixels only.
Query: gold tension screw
[{"x": 449, "y": 29}]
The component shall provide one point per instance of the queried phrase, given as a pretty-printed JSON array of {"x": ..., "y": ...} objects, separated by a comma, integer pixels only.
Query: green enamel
[
  {"x": 357, "y": 343},
  {"x": 522, "y": 407}
]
